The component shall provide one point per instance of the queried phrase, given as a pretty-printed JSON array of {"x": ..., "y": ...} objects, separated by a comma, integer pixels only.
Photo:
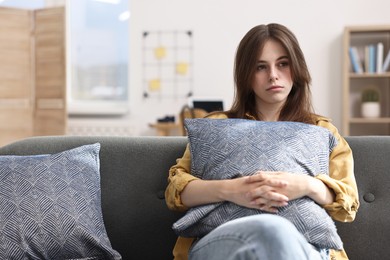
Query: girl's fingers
[
  {"x": 268, "y": 203},
  {"x": 271, "y": 179},
  {"x": 266, "y": 192}
]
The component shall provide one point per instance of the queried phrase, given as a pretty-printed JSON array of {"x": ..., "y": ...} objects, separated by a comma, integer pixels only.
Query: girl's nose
[{"x": 273, "y": 74}]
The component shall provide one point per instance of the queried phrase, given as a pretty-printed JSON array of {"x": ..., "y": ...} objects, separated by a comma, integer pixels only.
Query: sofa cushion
[
  {"x": 230, "y": 148},
  {"x": 50, "y": 206}
]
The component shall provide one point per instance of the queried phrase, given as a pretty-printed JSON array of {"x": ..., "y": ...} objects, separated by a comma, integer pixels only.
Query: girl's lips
[{"x": 274, "y": 87}]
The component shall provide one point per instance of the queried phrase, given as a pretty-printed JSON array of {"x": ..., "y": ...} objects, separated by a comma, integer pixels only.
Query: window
[
  {"x": 98, "y": 56},
  {"x": 97, "y": 53}
]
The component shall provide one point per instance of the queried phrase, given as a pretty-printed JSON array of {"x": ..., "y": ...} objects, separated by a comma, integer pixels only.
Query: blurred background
[{"x": 126, "y": 65}]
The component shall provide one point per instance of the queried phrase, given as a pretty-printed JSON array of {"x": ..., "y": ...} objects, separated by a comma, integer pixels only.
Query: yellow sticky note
[
  {"x": 182, "y": 68},
  {"x": 160, "y": 52},
  {"x": 154, "y": 85}
]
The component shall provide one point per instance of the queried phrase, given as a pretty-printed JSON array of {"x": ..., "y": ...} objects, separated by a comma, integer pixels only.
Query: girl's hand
[
  {"x": 265, "y": 191},
  {"x": 296, "y": 186},
  {"x": 255, "y": 193}
]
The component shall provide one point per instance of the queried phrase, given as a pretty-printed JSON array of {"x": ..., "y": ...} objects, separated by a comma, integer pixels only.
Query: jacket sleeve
[
  {"x": 341, "y": 179},
  {"x": 179, "y": 177}
]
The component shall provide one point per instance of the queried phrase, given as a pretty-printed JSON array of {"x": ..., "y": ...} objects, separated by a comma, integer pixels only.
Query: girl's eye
[
  {"x": 261, "y": 67},
  {"x": 284, "y": 64}
]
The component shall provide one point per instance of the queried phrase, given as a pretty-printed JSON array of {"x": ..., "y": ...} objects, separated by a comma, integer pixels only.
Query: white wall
[{"x": 219, "y": 25}]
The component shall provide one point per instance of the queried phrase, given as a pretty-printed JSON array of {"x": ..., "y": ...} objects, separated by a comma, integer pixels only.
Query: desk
[{"x": 165, "y": 129}]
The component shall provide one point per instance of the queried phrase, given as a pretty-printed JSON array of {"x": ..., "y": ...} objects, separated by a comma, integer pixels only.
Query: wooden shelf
[
  {"x": 362, "y": 120},
  {"x": 165, "y": 129},
  {"x": 369, "y": 75},
  {"x": 354, "y": 84}
]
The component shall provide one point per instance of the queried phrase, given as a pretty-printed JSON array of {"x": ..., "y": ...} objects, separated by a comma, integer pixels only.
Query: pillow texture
[
  {"x": 230, "y": 148},
  {"x": 50, "y": 206}
]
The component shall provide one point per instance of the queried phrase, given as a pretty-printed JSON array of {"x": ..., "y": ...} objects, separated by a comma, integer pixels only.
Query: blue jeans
[{"x": 265, "y": 237}]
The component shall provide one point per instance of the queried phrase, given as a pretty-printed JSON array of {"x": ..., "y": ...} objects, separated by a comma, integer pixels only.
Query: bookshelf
[{"x": 355, "y": 82}]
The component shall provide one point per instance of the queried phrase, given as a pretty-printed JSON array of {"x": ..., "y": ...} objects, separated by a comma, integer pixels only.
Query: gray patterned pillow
[
  {"x": 229, "y": 148},
  {"x": 50, "y": 206}
]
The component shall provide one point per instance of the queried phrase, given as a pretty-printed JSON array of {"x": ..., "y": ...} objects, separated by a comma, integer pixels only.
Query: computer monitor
[{"x": 209, "y": 104}]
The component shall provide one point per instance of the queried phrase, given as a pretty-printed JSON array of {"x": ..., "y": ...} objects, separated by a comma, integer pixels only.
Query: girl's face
[{"x": 272, "y": 82}]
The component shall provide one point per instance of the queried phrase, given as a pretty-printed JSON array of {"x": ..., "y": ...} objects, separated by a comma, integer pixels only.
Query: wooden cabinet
[
  {"x": 32, "y": 73},
  {"x": 355, "y": 83},
  {"x": 16, "y": 75},
  {"x": 50, "y": 115}
]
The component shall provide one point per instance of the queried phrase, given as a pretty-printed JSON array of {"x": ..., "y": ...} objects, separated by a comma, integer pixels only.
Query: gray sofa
[{"x": 134, "y": 176}]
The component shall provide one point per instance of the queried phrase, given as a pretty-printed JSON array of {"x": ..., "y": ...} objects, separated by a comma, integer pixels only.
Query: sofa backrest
[
  {"x": 367, "y": 237},
  {"x": 134, "y": 174}
]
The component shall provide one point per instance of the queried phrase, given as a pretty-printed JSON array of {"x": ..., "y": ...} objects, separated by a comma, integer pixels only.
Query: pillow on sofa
[
  {"x": 229, "y": 148},
  {"x": 50, "y": 206}
]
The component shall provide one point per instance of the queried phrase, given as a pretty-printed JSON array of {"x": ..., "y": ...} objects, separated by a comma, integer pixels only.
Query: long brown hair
[{"x": 298, "y": 106}]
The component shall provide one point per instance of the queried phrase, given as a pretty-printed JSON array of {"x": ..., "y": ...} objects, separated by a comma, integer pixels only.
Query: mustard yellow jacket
[{"x": 341, "y": 180}]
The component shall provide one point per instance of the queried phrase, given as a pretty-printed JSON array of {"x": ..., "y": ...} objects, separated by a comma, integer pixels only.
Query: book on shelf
[
  {"x": 379, "y": 57},
  {"x": 355, "y": 60},
  {"x": 386, "y": 62},
  {"x": 366, "y": 58},
  {"x": 371, "y": 59}
]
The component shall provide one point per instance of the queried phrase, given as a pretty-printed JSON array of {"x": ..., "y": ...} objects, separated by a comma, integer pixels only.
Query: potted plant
[{"x": 370, "y": 103}]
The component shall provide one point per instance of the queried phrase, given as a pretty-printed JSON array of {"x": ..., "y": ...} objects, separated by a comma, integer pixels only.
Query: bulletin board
[{"x": 167, "y": 64}]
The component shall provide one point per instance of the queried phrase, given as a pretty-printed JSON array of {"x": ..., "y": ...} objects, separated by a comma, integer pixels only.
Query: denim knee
[
  {"x": 265, "y": 236},
  {"x": 265, "y": 228}
]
